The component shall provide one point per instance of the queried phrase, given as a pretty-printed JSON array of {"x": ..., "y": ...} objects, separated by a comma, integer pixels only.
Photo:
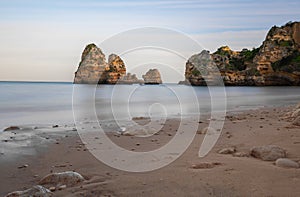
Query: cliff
[
  {"x": 275, "y": 62},
  {"x": 94, "y": 69}
]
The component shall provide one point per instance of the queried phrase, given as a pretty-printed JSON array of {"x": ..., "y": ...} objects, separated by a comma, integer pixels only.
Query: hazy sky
[{"x": 43, "y": 40}]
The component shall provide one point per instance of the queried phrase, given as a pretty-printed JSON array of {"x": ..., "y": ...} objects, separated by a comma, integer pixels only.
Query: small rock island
[
  {"x": 152, "y": 77},
  {"x": 93, "y": 69}
]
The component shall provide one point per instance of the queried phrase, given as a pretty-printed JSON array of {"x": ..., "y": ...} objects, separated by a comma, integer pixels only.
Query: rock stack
[
  {"x": 116, "y": 70},
  {"x": 94, "y": 69},
  {"x": 152, "y": 77},
  {"x": 130, "y": 79}
]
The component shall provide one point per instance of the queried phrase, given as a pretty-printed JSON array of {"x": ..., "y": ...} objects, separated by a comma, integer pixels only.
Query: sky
[{"x": 43, "y": 40}]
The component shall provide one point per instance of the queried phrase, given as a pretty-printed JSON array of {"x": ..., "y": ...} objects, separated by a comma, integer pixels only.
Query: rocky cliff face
[
  {"x": 152, "y": 77},
  {"x": 281, "y": 42},
  {"x": 92, "y": 66},
  {"x": 200, "y": 69},
  {"x": 130, "y": 79},
  {"x": 94, "y": 69},
  {"x": 275, "y": 62},
  {"x": 116, "y": 69}
]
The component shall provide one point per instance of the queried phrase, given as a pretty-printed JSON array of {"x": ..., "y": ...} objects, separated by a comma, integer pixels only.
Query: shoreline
[{"x": 235, "y": 176}]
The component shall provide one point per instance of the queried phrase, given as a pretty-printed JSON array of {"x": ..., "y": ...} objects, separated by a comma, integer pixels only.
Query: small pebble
[
  {"x": 62, "y": 187},
  {"x": 23, "y": 166},
  {"x": 52, "y": 189},
  {"x": 229, "y": 136}
]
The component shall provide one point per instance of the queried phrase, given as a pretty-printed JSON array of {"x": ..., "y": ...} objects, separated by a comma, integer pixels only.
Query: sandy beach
[
  {"x": 237, "y": 174},
  {"x": 139, "y": 98}
]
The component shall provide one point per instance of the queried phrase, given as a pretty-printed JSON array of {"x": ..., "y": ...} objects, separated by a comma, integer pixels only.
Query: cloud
[
  {"x": 50, "y": 35},
  {"x": 236, "y": 40},
  {"x": 52, "y": 51}
]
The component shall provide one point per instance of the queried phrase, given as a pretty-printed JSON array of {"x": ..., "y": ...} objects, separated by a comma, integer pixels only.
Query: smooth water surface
[{"x": 28, "y": 103}]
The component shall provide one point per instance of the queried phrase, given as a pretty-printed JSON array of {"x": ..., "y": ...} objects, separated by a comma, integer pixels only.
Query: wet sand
[{"x": 233, "y": 176}]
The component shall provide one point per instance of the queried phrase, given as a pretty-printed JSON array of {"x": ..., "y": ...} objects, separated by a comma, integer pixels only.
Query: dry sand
[{"x": 232, "y": 176}]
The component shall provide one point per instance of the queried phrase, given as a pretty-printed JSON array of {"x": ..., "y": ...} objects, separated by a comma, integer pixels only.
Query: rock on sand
[
  {"x": 37, "y": 190},
  {"x": 205, "y": 165},
  {"x": 229, "y": 150},
  {"x": 286, "y": 163},
  {"x": 297, "y": 121},
  {"x": 296, "y": 113},
  {"x": 268, "y": 153},
  {"x": 207, "y": 130},
  {"x": 67, "y": 178},
  {"x": 240, "y": 154}
]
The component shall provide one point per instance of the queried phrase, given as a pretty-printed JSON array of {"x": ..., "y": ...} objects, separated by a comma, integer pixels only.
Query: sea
[{"x": 51, "y": 103}]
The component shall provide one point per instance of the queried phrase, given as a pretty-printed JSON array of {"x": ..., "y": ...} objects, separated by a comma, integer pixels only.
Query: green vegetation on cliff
[
  {"x": 288, "y": 64},
  {"x": 223, "y": 51},
  {"x": 249, "y": 54},
  {"x": 285, "y": 43},
  {"x": 252, "y": 72},
  {"x": 237, "y": 61},
  {"x": 275, "y": 62},
  {"x": 196, "y": 72}
]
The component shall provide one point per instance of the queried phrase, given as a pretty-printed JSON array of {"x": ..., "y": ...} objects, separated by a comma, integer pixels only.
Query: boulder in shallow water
[
  {"x": 286, "y": 163},
  {"x": 36, "y": 191},
  {"x": 67, "y": 178},
  {"x": 12, "y": 128},
  {"x": 268, "y": 153}
]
